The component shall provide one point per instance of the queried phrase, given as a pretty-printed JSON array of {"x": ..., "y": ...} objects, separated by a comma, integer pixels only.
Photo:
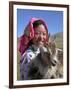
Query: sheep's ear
[
  {"x": 52, "y": 44},
  {"x": 52, "y": 39},
  {"x": 48, "y": 36},
  {"x": 43, "y": 49}
]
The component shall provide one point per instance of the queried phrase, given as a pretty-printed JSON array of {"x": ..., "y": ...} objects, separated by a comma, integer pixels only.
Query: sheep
[{"x": 48, "y": 64}]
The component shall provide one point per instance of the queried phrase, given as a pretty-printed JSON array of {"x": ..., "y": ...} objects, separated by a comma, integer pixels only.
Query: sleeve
[
  {"x": 30, "y": 56},
  {"x": 27, "y": 57},
  {"x": 24, "y": 66}
]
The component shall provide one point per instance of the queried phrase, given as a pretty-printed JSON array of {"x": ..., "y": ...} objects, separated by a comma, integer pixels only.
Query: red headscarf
[{"x": 28, "y": 35}]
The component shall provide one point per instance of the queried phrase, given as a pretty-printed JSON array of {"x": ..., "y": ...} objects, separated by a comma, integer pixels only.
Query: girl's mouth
[{"x": 40, "y": 43}]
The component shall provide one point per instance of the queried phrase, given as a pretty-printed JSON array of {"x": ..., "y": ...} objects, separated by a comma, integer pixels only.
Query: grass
[{"x": 18, "y": 65}]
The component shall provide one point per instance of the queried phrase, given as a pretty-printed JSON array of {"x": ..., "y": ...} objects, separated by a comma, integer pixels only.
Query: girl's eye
[
  {"x": 44, "y": 33},
  {"x": 38, "y": 33}
]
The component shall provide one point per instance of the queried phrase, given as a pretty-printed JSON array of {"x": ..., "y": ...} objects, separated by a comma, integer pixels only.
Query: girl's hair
[{"x": 37, "y": 23}]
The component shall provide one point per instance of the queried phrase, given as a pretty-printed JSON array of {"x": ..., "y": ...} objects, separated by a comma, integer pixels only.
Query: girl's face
[{"x": 40, "y": 36}]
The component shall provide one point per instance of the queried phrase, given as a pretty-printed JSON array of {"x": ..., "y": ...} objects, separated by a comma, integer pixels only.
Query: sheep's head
[
  {"x": 55, "y": 53},
  {"x": 45, "y": 56},
  {"x": 51, "y": 48}
]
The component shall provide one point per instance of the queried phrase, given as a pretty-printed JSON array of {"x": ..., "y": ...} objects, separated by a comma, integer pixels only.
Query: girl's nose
[{"x": 40, "y": 37}]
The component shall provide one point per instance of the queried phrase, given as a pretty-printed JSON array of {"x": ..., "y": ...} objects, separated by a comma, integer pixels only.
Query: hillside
[{"x": 58, "y": 39}]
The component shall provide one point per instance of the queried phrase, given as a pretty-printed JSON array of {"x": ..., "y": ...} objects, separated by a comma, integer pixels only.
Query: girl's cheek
[{"x": 44, "y": 39}]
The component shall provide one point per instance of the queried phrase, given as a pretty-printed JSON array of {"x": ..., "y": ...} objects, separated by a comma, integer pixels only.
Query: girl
[{"x": 35, "y": 36}]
